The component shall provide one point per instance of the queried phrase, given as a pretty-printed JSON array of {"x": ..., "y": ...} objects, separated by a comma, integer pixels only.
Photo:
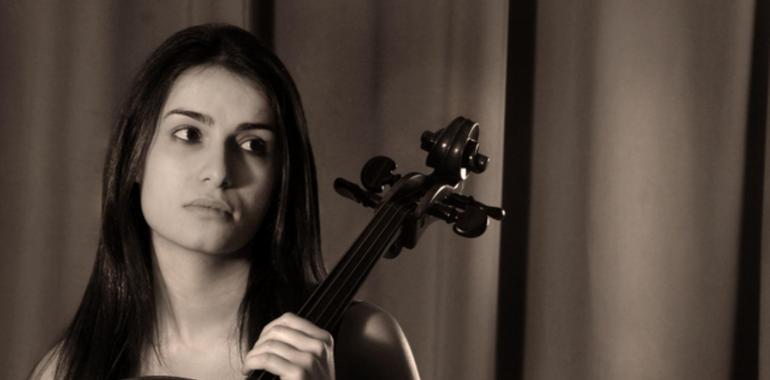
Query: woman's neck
[{"x": 197, "y": 295}]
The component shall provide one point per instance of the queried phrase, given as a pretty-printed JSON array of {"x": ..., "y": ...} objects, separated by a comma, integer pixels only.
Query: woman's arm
[{"x": 371, "y": 345}]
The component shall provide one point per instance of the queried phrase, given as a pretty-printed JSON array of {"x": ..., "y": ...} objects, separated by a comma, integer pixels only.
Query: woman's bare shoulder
[
  {"x": 371, "y": 344},
  {"x": 46, "y": 367}
]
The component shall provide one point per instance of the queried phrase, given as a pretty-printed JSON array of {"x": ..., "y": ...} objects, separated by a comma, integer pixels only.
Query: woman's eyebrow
[
  {"x": 248, "y": 126},
  {"x": 208, "y": 120},
  {"x": 203, "y": 118}
]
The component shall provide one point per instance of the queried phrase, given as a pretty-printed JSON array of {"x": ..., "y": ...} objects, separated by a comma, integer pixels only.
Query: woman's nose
[{"x": 216, "y": 167}]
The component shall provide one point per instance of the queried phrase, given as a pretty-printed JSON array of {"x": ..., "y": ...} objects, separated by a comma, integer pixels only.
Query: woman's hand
[{"x": 294, "y": 349}]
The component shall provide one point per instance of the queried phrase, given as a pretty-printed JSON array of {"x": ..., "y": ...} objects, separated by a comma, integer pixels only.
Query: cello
[{"x": 402, "y": 213}]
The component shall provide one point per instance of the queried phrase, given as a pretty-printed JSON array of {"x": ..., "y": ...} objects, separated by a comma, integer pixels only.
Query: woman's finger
[
  {"x": 296, "y": 338},
  {"x": 282, "y": 349},
  {"x": 298, "y": 323},
  {"x": 288, "y": 352},
  {"x": 273, "y": 363}
]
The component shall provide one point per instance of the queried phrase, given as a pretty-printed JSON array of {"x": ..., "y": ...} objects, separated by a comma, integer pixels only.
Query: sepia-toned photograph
[{"x": 296, "y": 189}]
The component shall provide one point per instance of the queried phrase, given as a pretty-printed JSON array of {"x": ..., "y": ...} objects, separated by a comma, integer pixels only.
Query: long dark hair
[{"x": 116, "y": 318}]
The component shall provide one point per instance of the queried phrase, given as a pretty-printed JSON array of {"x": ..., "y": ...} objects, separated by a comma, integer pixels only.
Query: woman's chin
[
  {"x": 217, "y": 247},
  {"x": 209, "y": 242},
  {"x": 204, "y": 235}
]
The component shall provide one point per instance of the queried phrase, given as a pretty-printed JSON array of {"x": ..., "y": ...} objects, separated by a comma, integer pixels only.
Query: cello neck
[{"x": 331, "y": 298}]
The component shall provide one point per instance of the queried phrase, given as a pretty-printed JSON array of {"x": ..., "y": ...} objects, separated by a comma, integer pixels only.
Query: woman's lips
[{"x": 210, "y": 206}]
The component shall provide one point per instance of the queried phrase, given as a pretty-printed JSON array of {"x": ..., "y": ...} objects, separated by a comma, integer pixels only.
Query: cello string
[
  {"x": 337, "y": 308},
  {"x": 338, "y": 274},
  {"x": 352, "y": 276},
  {"x": 345, "y": 292},
  {"x": 308, "y": 306},
  {"x": 350, "y": 270},
  {"x": 323, "y": 302}
]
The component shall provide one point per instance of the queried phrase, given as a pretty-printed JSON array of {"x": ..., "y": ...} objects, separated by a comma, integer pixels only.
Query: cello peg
[
  {"x": 472, "y": 222},
  {"x": 378, "y": 172},
  {"x": 428, "y": 140},
  {"x": 473, "y": 160},
  {"x": 352, "y": 191},
  {"x": 465, "y": 201}
]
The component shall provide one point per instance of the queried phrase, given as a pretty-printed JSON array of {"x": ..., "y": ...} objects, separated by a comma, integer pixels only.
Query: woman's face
[{"x": 210, "y": 169}]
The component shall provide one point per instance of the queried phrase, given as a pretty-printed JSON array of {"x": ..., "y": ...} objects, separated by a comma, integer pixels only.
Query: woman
[{"x": 210, "y": 232}]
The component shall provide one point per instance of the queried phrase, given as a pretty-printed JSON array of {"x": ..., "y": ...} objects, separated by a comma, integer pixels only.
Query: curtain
[
  {"x": 645, "y": 152},
  {"x": 373, "y": 76}
]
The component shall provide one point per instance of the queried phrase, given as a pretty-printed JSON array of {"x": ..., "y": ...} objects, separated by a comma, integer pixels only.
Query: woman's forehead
[{"x": 218, "y": 91}]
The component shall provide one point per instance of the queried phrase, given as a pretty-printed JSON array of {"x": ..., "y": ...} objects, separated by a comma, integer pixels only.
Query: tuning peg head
[
  {"x": 496, "y": 213},
  {"x": 429, "y": 139},
  {"x": 466, "y": 201},
  {"x": 378, "y": 172},
  {"x": 472, "y": 222},
  {"x": 352, "y": 191}
]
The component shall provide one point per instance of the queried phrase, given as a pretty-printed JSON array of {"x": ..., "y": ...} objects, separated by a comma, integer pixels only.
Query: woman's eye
[
  {"x": 254, "y": 145},
  {"x": 189, "y": 134}
]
